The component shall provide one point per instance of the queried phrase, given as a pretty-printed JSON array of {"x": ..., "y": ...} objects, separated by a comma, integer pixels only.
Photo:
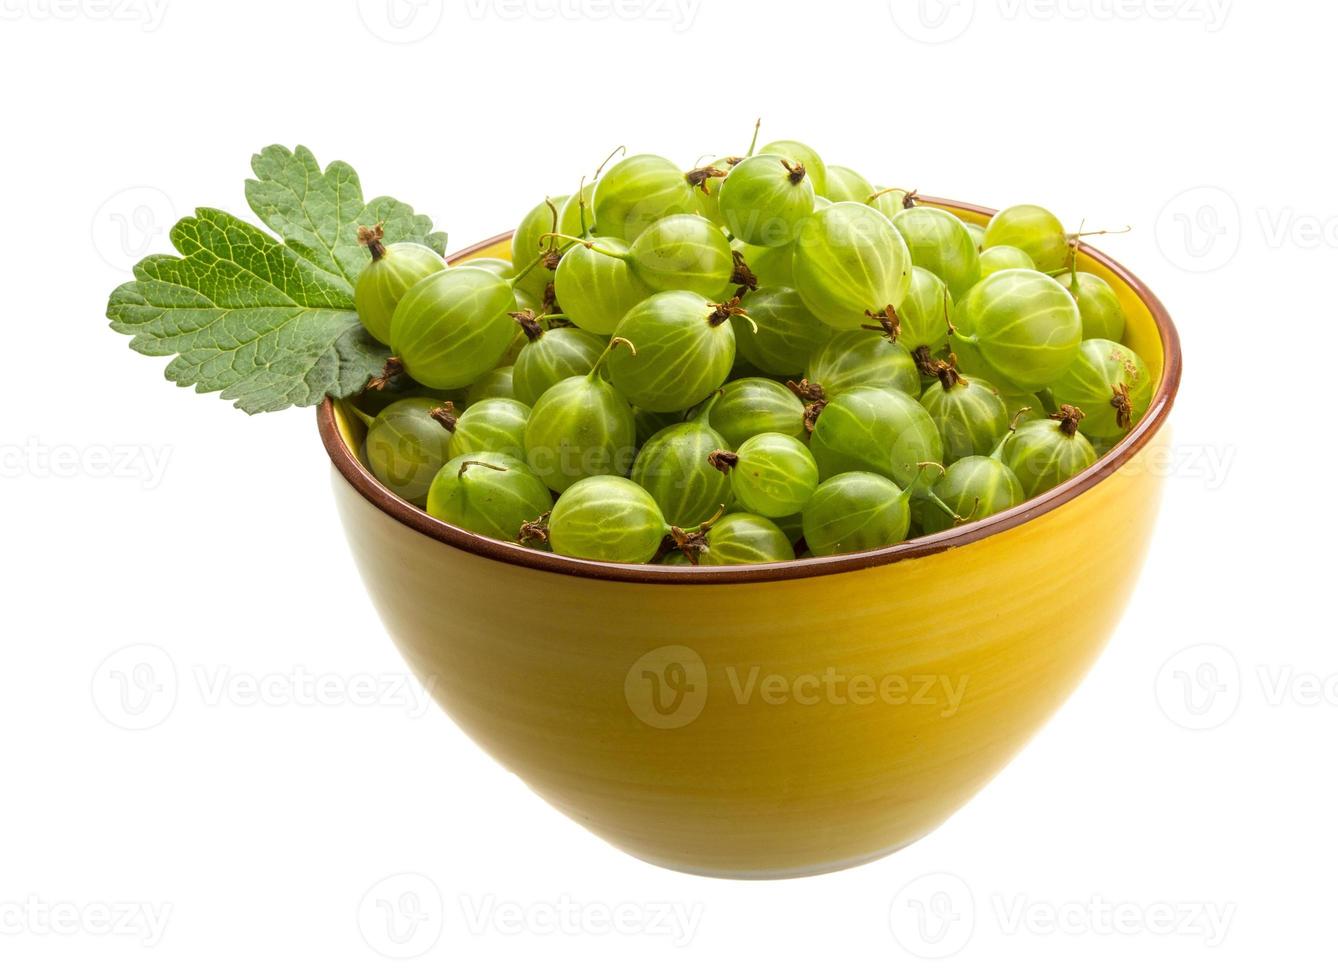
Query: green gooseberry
[
  {"x": 595, "y": 285},
  {"x": 750, "y": 406},
  {"x": 844, "y": 184},
  {"x": 977, "y": 233},
  {"x": 970, "y": 415},
  {"x": 1045, "y": 453},
  {"x": 453, "y": 327},
  {"x": 528, "y": 242},
  {"x": 856, "y": 511},
  {"x": 1102, "y": 316},
  {"x": 861, "y": 359},
  {"x": 880, "y": 430},
  {"x": 493, "y": 425},
  {"x": 998, "y": 257},
  {"x": 736, "y": 539},
  {"x": 972, "y": 488},
  {"x": 804, "y": 154},
  {"x": 684, "y": 251},
  {"x": 771, "y": 266},
  {"x": 486, "y": 493},
  {"x": 1019, "y": 329},
  {"x": 497, "y": 383},
  {"x": 850, "y": 262},
  {"x": 1024, "y": 402},
  {"x": 939, "y": 242},
  {"x": 1034, "y": 230},
  {"x": 550, "y": 355},
  {"x": 766, "y": 199},
  {"x": 383, "y": 282},
  {"x": 405, "y": 447},
  {"x": 580, "y": 427},
  {"x": 636, "y": 192},
  {"x": 674, "y": 467},
  {"x": 771, "y": 474},
  {"x": 787, "y": 333},
  {"x": 606, "y": 518},
  {"x": 1110, "y": 383},
  {"x": 924, "y": 315},
  {"x": 678, "y": 348}
]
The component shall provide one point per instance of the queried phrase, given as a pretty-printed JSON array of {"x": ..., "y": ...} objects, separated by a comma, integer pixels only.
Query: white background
[{"x": 1189, "y": 782}]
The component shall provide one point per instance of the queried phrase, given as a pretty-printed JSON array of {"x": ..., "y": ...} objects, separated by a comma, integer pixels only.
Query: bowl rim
[{"x": 348, "y": 465}]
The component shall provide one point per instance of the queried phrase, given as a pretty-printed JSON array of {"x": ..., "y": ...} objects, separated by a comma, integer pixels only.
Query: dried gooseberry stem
[
  {"x": 1017, "y": 417},
  {"x": 722, "y": 459},
  {"x": 797, "y": 170},
  {"x": 370, "y": 239},
  {"x": 721, "y": 312},
  {"x": 1124, "y": 407},
  {"x": 698, "y": 178},
  {"x": 445, "y": 416},
  {"x": 612, "y": 153},
  {"x": 814, "y": 399},
  {"x": 946, "y": 372},
  {"x": 393, "y": 369},
  {"x": 1068, "y": 418},
  {"x": 924, "y": 360},
  {"x": 885, "y": 321},
  {"x": 530, "y": 266},
  {"x": 529, "y": 323},
  {"x": 465, "y": 466},
  {"x": 535, "y": 530},
  {"x": 742, "y": 276},
  {"x": 692, "y": 541}
]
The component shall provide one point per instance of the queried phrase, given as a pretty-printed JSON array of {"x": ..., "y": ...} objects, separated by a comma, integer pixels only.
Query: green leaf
[{"x": 268, "y": 323}]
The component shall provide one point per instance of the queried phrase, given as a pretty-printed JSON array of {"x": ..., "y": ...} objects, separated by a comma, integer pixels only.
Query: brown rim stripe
[{"x": 352, "y": 470}]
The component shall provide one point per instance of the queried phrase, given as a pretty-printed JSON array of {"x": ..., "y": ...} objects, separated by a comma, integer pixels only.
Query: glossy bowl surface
[{"x": 772, "y": 720}]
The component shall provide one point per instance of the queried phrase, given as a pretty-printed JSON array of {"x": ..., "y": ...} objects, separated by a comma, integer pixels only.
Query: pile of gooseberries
[{"x": 750, "y": 360}]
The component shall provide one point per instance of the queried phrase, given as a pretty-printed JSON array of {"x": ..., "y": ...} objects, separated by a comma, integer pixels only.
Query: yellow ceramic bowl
[{"x": 777, "y": 720}]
